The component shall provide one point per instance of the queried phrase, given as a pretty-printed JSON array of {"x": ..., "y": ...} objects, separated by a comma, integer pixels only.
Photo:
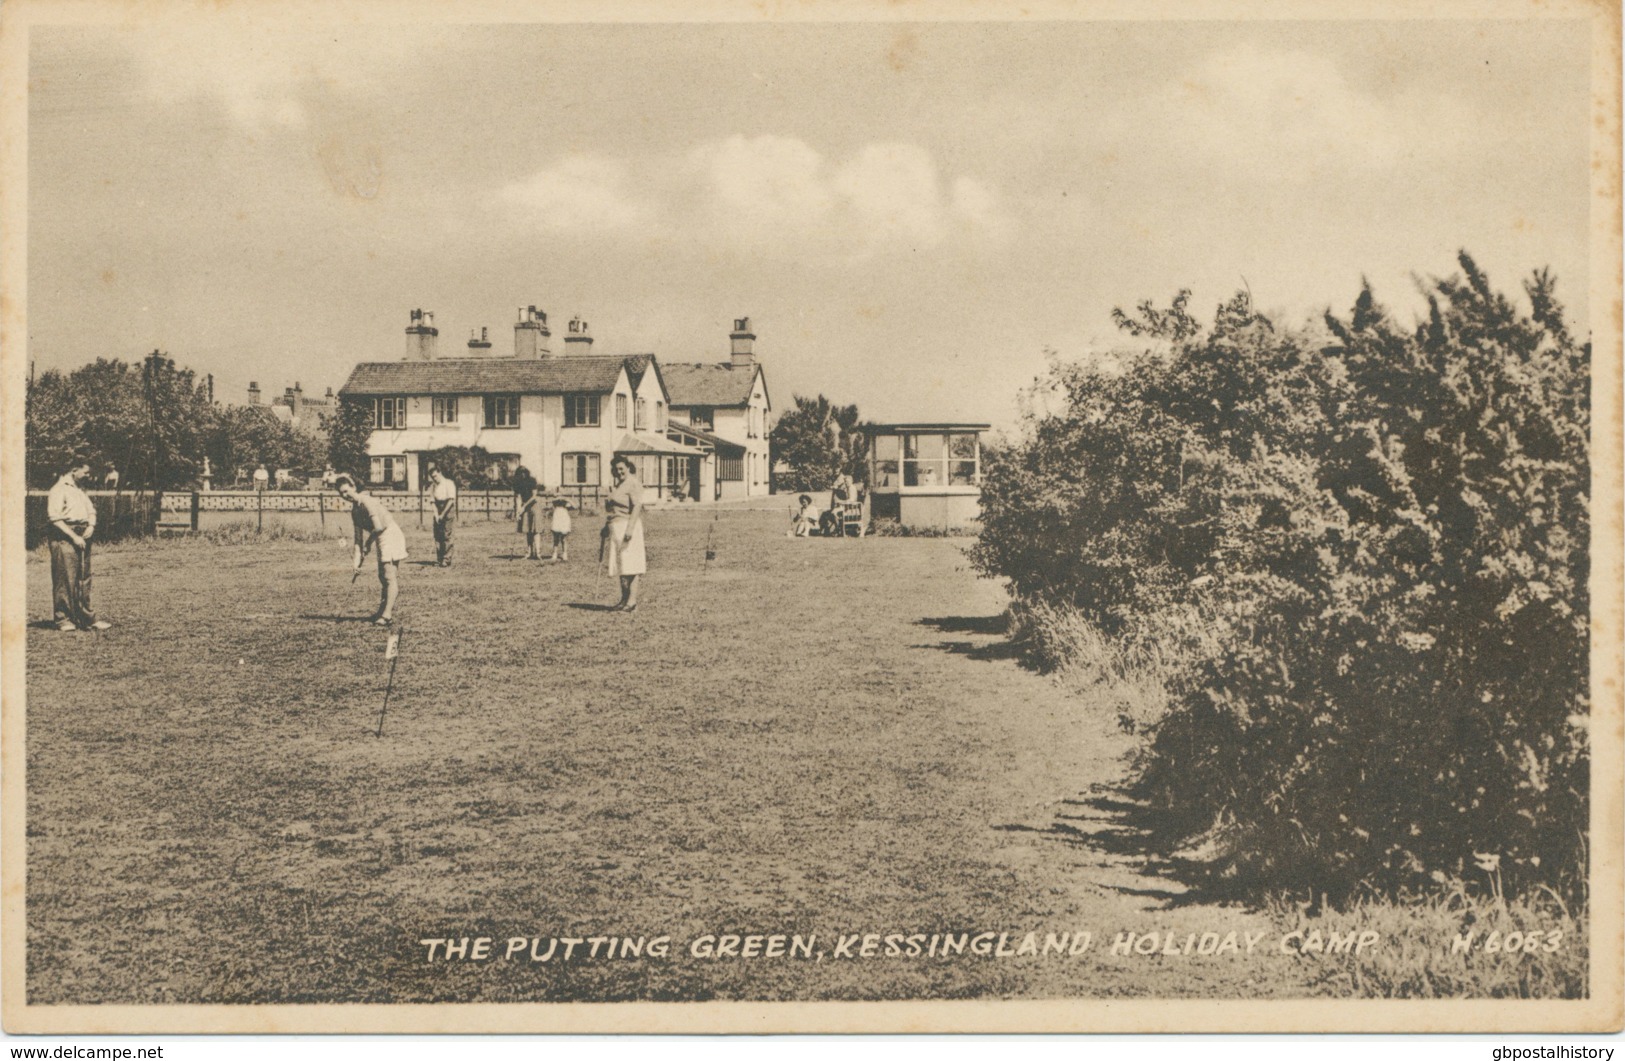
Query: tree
[
  {"x": 151, "y": 423},
  {"x": 470, "y": 467},
  {"x": 819, "y": 441},
  {"x": 348, "y": 430},
  {"x": 1369, "y": 557}
]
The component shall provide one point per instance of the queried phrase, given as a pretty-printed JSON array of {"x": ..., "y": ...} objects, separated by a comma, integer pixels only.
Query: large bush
[{"x": 1387, "y": 530}]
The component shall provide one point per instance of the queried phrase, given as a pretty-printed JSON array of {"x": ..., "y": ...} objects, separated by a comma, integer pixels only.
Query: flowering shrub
[{"x": 1389, "y": 529}]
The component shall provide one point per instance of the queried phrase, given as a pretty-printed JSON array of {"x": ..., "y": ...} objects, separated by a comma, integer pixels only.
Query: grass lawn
[{"x": 804, "y": 737}]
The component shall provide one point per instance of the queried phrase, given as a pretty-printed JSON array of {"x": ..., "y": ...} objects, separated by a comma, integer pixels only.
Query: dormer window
[{"x": 703, "y": 416}]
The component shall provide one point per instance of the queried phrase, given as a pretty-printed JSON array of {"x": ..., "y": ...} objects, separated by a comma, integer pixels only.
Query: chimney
[
  {"x": 330, "y": 394},
  {"x": 743, "y": 352},
  {"x": 530, "y": 335},
  {"x": 287, "y": 397},
  {"x": 480, "y": 345},
  {"x": 253, "y": 393},
  {"x": 579, "y": 341},
  {"x": 421, "y": 336}
]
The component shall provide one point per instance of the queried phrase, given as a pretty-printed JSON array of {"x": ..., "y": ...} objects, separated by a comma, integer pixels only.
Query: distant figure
[
  {"x": 526, "y": 496},
  {"x": 262, "y": 478},
  {"x": 805, "y": 518},
  {"x": 73, "y": 520},
  {"x": 328, "y": 475},
  {"x": 375, "y": 526},
  {"x": 623, "y": 531},
  {"x": 444, "y": 496},
  {"x": 110, "y": 480},
  {"x": 559, "y": 523}
]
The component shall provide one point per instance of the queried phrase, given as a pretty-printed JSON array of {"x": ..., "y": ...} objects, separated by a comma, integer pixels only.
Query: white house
[
  {"x": 724, "y": 406},
  {"x": 562, "y": 417}
]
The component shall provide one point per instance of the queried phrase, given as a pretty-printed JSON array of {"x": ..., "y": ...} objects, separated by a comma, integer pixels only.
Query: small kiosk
[{"x": 926, "y": 475}]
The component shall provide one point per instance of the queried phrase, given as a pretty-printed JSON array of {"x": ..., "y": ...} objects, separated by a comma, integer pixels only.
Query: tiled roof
[
  {"x": 549, "y": 375},
  {"x": 690, "y": 383}
]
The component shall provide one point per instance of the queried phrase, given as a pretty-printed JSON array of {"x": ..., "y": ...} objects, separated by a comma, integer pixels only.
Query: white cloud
[
  {"x": 772, "y": 191},
  {"x": 261, "y": 70},
  {"x": 1289, "y": 115},
  {"x": 766, "y": 181},
  {"x": 579, "y": 192},
  {"x": 895, "y": 193}
]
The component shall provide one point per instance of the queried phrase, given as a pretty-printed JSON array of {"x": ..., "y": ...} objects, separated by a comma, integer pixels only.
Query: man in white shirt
[
  {"x": 72, "y": 518},
  {"x": 444, "y": 495}
]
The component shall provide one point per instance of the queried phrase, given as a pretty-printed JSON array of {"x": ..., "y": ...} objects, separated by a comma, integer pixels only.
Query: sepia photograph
[{"x": 839, "y": 517}]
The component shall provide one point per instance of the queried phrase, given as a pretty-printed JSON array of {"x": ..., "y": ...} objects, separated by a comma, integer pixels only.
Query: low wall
[
  {"x": 939, "y": 510},
  {"x": 492, "y": 504}
]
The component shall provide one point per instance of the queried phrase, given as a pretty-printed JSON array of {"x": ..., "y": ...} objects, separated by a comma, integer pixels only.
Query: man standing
[
  {"x": 73, "y": 520},
  {"x": 262, "y": 479},
  {"x": 444, "y": 495}
]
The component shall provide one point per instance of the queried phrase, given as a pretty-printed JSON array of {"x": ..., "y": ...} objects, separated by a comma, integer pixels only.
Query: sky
[{"x": 910, "y": 213}]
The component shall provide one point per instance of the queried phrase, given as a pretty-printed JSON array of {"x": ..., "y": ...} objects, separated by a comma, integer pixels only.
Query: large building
[
  {"x": 562, "y": 416},
  {"x": 724, "y": 406}
]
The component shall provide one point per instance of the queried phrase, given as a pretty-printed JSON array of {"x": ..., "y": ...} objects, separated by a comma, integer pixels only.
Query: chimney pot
[{"x": 742, "y": 353}]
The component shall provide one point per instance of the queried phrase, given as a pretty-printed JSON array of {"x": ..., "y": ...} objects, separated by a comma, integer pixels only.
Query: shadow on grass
[
  {"x": 1134, "y": 835},
  {"x": 338, "y": 618},
  {"x": 986, "y": 625},
  {"x": 990, "y": 625},
  {"x": 588, "y": 606}
]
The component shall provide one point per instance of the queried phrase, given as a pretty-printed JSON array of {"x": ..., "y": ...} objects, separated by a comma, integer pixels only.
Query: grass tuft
[{"x": 1421, "y": 952}]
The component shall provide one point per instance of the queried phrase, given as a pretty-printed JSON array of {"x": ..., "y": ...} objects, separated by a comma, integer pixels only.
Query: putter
[{"x": 357, "y": 573}]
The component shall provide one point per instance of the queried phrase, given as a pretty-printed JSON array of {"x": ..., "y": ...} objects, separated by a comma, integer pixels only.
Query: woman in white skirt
[
  {"x": 375, "y": 529},
  {"x": 623, "y": 531}
]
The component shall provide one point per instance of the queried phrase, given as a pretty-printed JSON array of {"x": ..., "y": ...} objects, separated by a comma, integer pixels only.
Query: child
[
  {"x": 560, "y": 524},
  {"x": 805, "y": 518}
]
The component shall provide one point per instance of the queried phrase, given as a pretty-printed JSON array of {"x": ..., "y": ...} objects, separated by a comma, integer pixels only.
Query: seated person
[{"x": 805, "y": 518}]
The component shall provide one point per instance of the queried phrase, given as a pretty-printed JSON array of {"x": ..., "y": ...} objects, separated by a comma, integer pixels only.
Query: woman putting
[
  {"x": 623, "y": 531},
  {"x": 375, "y": 528}
]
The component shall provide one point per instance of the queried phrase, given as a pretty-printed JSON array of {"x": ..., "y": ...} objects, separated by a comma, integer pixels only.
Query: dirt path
[{"x": 814, "y": 739}]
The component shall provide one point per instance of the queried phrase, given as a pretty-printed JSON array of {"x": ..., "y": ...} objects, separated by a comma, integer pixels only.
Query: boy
[
  {"x": 375, "y": 526},
  {"x": 444, "y": 495},
  {"x": 560, "y": 525}
]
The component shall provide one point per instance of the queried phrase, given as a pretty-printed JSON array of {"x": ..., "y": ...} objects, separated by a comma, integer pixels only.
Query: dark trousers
[
  {"x": 70, "y": 582},
  {"x": 443, "y": 531}
]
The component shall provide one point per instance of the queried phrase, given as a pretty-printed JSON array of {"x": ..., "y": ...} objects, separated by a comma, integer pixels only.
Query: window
[
  {"x": 750, "y": 423},
  {"x": 389, "y": 414},
  {"x": 581, "y": 469},
  {"x": 502, "y": 410},
  {"x": 887, "y": 448},
  {"x": 930, "y": 459},
  {"x": 621, "y": 402},
  {"x": 731, "y": 469},
  {"x": 703, "y": 416},
  {"x": 660, "y": 416},
  {"x": 389, "y": 471},
  {"x": 962, "y": 460},
  {"x": 641, "y": 418},
  {"x": 445, "y": 410},
  {"x": 581, "y": 410}
]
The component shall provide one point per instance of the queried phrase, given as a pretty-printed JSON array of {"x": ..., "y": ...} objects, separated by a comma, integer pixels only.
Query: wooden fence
[{"x": 119, "y": 514}]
